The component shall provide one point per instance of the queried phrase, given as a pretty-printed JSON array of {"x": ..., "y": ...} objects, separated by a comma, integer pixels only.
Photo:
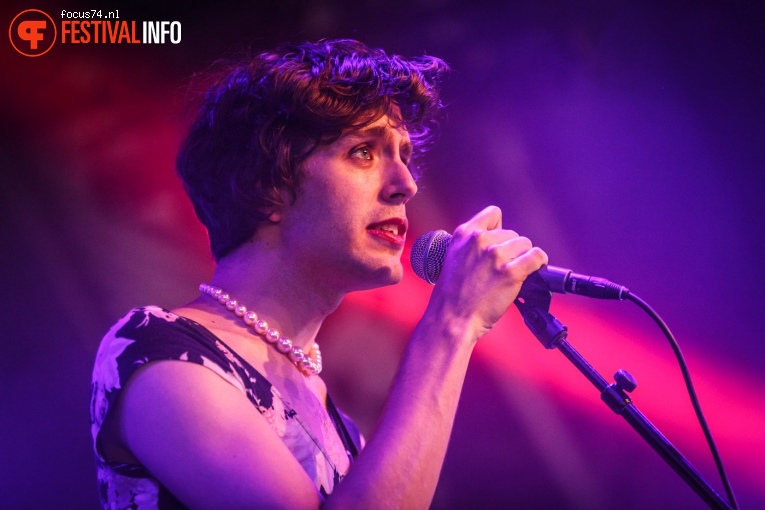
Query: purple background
[{"x": 625, "y": 139}]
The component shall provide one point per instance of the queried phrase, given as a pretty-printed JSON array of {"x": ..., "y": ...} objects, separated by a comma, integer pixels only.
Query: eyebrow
[{"x": 378, "y": 132}]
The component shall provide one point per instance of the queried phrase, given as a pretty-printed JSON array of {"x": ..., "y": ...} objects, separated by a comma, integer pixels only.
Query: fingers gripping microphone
[{"x": 429, "y": 251}]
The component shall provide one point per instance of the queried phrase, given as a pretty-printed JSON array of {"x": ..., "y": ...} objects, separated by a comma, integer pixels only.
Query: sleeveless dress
[{"x": 151, "y": 334}]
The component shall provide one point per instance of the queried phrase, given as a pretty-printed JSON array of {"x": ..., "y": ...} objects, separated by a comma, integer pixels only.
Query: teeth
[{"x": 392, "y": 228}]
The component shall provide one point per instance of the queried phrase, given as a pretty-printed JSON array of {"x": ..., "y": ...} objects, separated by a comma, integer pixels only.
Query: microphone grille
[{"x": 428, "y": 252}]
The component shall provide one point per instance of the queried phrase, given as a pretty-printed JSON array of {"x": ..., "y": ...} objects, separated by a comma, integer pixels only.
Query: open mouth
[{"x": 392, "y": 230}]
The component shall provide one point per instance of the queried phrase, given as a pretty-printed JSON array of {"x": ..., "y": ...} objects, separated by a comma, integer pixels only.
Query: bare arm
[
  {"x": 206, "y": 442},
  {"x": 483, "y": 273}
]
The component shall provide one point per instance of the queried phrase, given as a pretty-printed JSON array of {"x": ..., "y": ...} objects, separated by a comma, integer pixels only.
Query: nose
[{"x": 399, "y": 186}]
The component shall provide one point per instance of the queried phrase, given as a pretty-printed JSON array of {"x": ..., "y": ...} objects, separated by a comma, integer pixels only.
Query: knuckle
[
  {"x": 509, "y": 272},
  {"x": 460, "y": 232},
  {"x": 525, "y": 240},
  {"x": 494, "y": 210},
  {"x": 539, "y": 254},
  {"x": 477, "y": 238},
  {"x": 495, "y": 256}
]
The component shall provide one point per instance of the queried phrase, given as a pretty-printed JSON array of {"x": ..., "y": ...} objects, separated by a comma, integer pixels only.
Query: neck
[{"x": 265, "y": 280}]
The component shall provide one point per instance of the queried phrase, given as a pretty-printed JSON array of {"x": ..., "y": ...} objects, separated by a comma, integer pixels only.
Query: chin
[
  {"x": 384, "y": 276},
  {"x": 394, "y": 279}
]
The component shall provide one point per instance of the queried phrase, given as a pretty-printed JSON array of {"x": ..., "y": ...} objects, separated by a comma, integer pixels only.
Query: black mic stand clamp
[{"x": 534, "y": 304}]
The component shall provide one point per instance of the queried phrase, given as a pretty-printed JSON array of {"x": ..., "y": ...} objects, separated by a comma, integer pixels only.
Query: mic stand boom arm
[{"x": 534, "y": 305}]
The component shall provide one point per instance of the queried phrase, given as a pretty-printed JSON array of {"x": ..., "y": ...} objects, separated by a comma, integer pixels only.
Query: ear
[
  {"x": 276, "y": 213},
  {"x": 276, "y": 216}
]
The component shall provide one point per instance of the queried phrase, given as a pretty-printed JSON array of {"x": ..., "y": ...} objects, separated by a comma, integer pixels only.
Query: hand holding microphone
[
  {"x": 429, "y": 251},
  {"x": 482, "y": 273}
]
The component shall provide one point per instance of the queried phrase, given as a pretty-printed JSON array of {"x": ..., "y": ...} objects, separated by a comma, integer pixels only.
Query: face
[{"x": 348, "y": 223}]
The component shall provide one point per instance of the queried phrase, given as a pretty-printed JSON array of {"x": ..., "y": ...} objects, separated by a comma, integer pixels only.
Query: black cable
[{"x": 692, "y": 393}]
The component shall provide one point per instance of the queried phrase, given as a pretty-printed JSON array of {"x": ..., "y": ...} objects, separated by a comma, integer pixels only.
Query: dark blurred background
[{"x": 625, "y": 138}]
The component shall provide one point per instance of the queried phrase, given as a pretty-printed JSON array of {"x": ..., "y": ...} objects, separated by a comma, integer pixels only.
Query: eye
[
  {"x": 363, "y": 152},
  {"x": 406, "y": 153}
]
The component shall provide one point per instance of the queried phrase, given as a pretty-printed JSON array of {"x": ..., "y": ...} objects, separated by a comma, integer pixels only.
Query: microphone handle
[
  {"x": 565, "y": 281},
  {"x": 429, "y": 251}
]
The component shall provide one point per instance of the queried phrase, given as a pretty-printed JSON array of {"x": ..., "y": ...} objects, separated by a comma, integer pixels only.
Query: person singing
[{"x": 300, "y": 166}]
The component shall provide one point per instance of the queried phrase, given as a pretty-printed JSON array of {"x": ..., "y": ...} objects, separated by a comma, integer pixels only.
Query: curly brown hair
[{"x": 261, "y": 117}]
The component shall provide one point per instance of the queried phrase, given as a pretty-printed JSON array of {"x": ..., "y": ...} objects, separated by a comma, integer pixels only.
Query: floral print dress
[{"x": 151, "y": 334}]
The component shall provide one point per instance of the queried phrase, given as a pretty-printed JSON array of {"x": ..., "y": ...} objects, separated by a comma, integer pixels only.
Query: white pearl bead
[
  {"x": 240, "y": 310},
  {"x": 273, "y": 335},
  {"x": 296, "y": 355},
  {"x": 284, "y": 345},
  {"x": 231, "y": 304},
  {"x": 250, "y": 318},
  {"x": 260, "y": 327}
]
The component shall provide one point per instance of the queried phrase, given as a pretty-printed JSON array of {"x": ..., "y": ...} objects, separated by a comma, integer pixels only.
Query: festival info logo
[{"x": 32, "y": 33}]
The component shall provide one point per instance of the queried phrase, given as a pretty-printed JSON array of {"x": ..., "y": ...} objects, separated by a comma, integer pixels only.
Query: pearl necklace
[{"x": 302, "y": 360}]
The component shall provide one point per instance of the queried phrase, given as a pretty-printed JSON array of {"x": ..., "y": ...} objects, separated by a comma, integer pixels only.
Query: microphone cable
[
  {"x": 427, "y": 258},
  {"x": 691, "y": 392}
]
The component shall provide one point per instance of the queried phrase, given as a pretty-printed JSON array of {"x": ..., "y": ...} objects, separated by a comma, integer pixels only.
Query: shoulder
[
  {"x": 152, "y": 333},
  {"x": 151, "y": 320},
  {"x": 140, "y": 325}
]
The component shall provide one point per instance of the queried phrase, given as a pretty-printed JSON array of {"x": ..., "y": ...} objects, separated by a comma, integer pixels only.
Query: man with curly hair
[{"x": 300, "y": 166}]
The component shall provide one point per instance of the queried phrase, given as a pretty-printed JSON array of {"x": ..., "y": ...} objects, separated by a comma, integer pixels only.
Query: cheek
[
  {"x": 324, "y": 210},
  {"x": 342, "y": 196},
  {"x": 337, "y": 195}
]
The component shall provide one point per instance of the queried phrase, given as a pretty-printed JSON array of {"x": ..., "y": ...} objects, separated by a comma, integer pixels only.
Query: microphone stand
[{"x": 534, "y": 304}]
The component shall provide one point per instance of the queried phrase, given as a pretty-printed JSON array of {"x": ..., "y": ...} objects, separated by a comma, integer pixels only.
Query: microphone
[{"x": 429, "y": 251}]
